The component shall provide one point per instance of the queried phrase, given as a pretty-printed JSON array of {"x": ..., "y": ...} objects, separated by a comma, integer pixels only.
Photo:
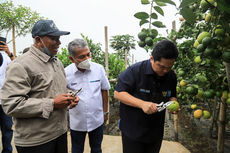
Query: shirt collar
[{"x": 40, "y": 54}]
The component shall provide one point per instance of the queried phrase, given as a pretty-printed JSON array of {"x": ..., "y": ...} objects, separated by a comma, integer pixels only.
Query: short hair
[
  {"x": 79, "y": 43},
  {"x": 25, "y": 50},
  {"x": 164, "y": 49}
]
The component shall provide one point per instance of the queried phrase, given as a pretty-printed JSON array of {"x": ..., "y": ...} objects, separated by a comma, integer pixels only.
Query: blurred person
[
  {"x": 140, "y": 88},
  {"x": 92, "y": 110},
  {"x": 35, "y": 94},
  {"x": 5, "y": 120}
]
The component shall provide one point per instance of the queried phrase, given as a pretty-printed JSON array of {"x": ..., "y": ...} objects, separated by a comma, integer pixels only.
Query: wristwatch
[
  {"x": 12, "y": 55},
  {"x": 106, "y": 113}
]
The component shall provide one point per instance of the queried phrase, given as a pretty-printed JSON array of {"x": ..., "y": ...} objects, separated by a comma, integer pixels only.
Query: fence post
[{"x": 107, "y": 73}]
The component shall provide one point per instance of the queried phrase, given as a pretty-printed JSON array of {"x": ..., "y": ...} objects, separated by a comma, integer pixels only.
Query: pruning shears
[
  {"x": 163, "y": 105},
  {"x": 73, "y": 94}
]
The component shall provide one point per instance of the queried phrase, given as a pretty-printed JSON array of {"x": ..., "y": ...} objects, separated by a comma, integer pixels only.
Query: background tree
[
  {"x": 18, "y": 20},
  {"x": 121, "y": 42}
]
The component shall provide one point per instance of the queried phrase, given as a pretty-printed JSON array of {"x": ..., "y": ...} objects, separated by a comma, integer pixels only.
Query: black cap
[
  {"x": 1, "y": 59},
  {"x": 46, "y": 27}
]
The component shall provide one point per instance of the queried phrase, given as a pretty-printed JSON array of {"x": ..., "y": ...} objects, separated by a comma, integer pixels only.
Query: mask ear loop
[{"x": 42, "y": 42}]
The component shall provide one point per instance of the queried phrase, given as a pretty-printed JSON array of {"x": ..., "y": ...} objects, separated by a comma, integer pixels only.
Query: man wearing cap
[
  {"x": 5, "y": 121},
  {"x": 35, "y": 91}
]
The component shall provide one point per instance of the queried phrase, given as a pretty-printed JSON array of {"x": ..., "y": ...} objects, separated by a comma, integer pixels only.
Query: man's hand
[
  {"x": 5, "y": 48},
  {"x": 175, "y": 112},
  {"x": 149, "y": 107},
  {"x": 62, "y": 101},
  {"x": 74, "y": 102},
  {"x": 105, "y": 118}
]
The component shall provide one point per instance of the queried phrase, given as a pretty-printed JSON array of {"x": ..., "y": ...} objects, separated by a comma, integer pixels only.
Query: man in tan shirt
[{"x": 35, "y": 91}]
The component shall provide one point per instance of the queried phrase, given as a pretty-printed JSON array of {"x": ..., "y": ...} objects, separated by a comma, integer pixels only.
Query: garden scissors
[
  {"x": 73, "y": 94},
  {"x": 163, "y": 106}
]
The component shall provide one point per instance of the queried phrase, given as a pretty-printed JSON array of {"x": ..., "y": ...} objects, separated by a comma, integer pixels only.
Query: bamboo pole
[
  {"x": 13, "y": 35},
  {"x": 175, "y": 115},
  {"x": 132, "y": 58},
  {"x": 107, "y": 73},
  {"x": 222, "y": 116}
]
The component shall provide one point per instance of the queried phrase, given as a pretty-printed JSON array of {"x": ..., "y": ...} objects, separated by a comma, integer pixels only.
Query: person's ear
[
  {"x": 151, "y": 59},
  {"x": 71, "y": 58},
  {"x": 38, "y": 41}
]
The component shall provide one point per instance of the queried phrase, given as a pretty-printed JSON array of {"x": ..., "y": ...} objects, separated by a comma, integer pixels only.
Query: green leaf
[
  {"x": 159, "y": 10},
  {"x": 223, "y": 6},
  {"x": 141, "y": 15},
  {"x": 166, "y": 1},
  {"x": 185, "y": 3},
  {"x": 145, "y": 2},
  {"x": 143, "y": 22},
  {"x": 158, "y": 24},
  {"x": 188, "y": 15},
  {"x": 154, "y": 16},
  {"x": 161, "y": 3}
]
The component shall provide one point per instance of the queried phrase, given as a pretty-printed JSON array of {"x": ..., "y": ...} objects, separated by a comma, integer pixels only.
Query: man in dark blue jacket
[{"x": 140, "y": 88}]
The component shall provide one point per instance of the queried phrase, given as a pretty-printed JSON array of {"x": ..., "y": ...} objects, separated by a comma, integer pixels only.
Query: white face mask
[{"x": 84, "y": 64}]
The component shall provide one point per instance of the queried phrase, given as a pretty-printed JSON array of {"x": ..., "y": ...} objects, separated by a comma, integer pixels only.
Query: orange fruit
[
  {"x": 183, "y": 83},
  {"x": 226, "y": 56},
  {"x": 149, "y": 41},
  {"x": 198, "y": 113}
]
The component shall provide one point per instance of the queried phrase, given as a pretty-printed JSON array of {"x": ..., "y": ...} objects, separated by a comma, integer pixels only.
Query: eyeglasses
[{"x": 163, "y": 67}]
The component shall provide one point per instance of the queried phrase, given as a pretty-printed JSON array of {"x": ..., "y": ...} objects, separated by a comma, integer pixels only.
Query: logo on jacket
[{"x": 166, "y": 93}]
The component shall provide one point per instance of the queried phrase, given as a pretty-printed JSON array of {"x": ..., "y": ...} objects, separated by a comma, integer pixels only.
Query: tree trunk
[{"x": 13, "y": 36}]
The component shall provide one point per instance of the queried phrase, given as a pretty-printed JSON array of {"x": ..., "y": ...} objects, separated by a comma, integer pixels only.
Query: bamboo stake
[
  {"x": 107, "y": 73},
  {"x": 222, "y": 116}
]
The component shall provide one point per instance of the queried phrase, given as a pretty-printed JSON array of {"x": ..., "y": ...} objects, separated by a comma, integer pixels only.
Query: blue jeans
[
  {"x": 7, "y": 132},
  {"x": 95, "y": 139}
]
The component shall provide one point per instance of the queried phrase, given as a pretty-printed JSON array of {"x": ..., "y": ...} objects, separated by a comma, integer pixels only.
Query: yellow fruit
[
  {"x": 174, "y": 106},
  {"x": 208, "y": 18},
  {"x": 198, "y": 113},
  {"x": 206, "y": 114},
  {"x": 197, "y": 60},
  {"x": 200, "y": 94},
  {"x": 228, "y": 95},
  {"x": 183, "y": 83},
  {"x": 220, "y": 32},
  {"x": 228, "y": 101},
  {"x": 196, "y": 43},
  {"x": 193, "y": 106},
  {"x": 203, "y": 35},
  {"x": 225, "y": 94}
]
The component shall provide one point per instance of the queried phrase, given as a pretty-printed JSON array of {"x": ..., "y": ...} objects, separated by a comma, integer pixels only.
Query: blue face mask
[{"x": 46, "y": 50}]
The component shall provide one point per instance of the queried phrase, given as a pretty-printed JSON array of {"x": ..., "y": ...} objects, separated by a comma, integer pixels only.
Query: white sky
[{"x": 90, "y": 17}]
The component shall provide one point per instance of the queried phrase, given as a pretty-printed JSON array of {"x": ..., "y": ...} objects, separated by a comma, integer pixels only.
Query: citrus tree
[
  {"x": 204, "y": 50},
  {"x": 203, "y": 41}
]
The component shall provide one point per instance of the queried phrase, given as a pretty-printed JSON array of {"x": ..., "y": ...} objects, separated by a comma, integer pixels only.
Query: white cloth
[
  {"x": 6, "y": 61},
  {"x": 88, "y": 114}
]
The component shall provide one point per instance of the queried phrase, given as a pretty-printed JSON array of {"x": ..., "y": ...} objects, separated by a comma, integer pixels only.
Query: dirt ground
[{"x": 194, "y": 141}]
